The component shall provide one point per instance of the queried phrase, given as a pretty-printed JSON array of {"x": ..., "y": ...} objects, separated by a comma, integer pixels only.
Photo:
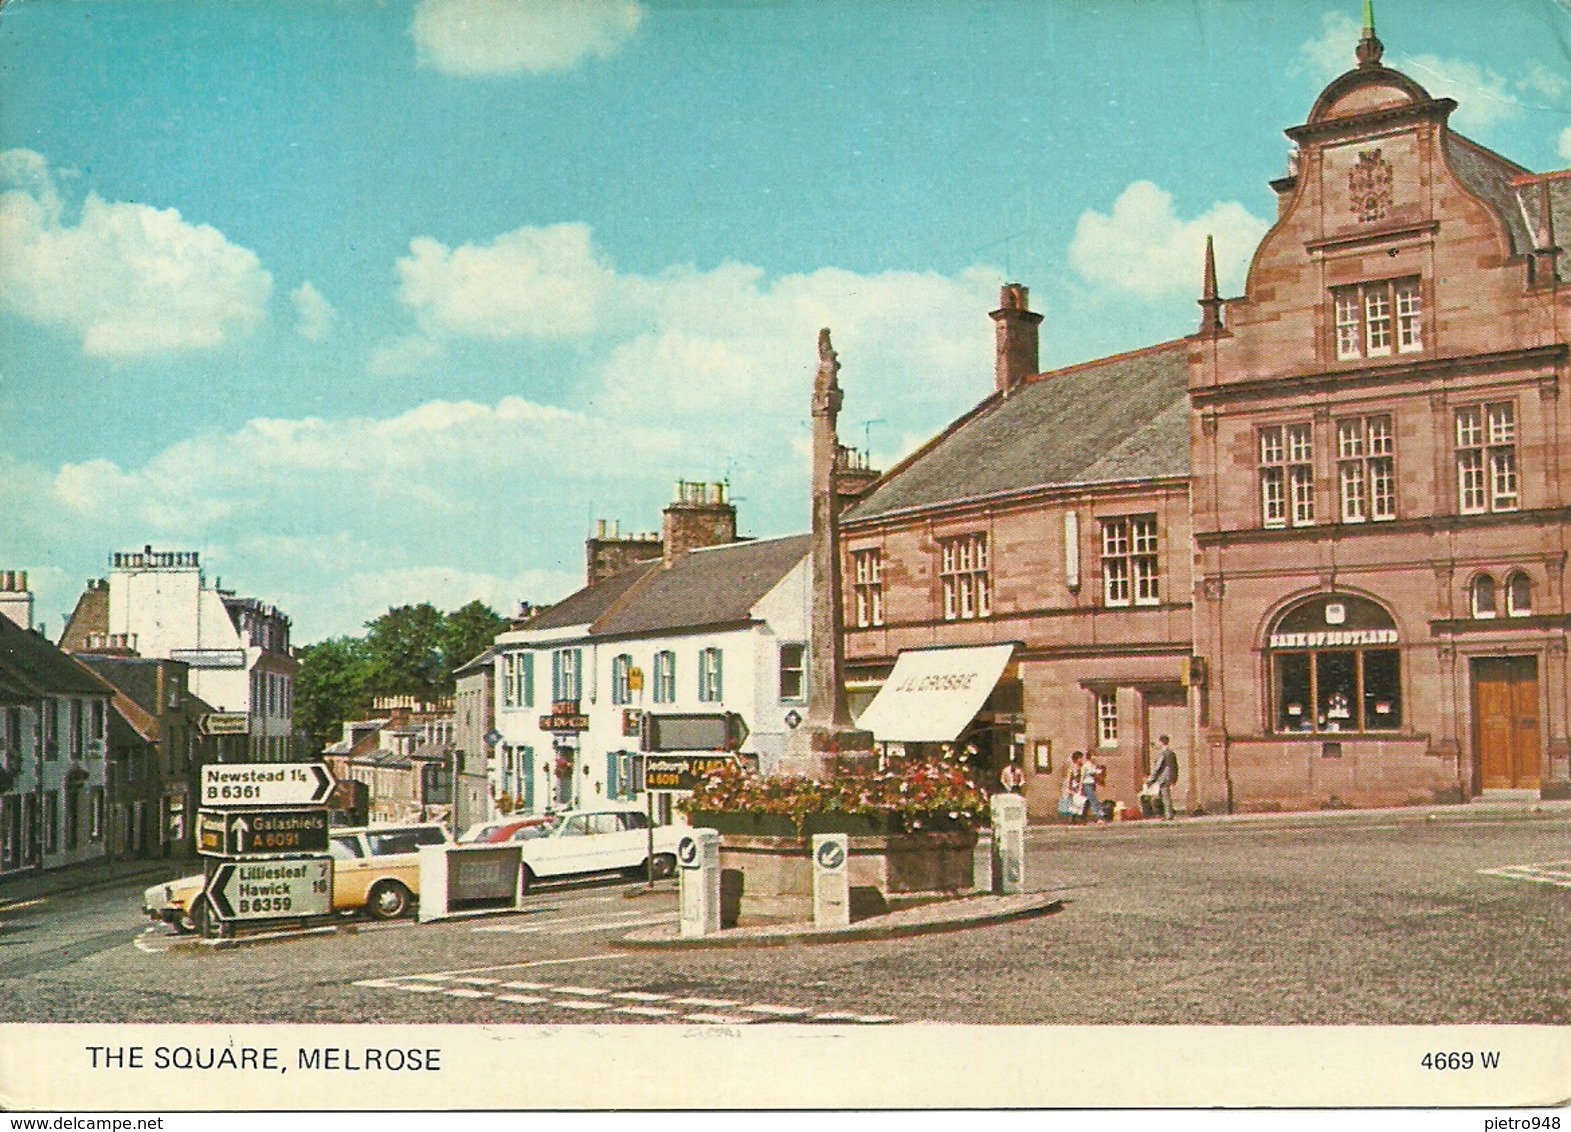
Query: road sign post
[
  {"x": 277, "y": 888},
  {"x": 237, "y": 785},
  {"x": 698, "y": 860},
  {"x": 831, "y": 880}
]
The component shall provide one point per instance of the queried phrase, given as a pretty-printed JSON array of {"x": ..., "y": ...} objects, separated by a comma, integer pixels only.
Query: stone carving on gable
[{"x": 1369, "y": 186}]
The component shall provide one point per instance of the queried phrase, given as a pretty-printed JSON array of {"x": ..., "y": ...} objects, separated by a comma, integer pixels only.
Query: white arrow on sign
[
  {"x": 226, "y": 785},
  {"x": 241, "y": 828}
]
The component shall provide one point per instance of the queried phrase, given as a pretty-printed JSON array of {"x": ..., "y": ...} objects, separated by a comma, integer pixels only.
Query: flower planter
[{"x": 785, "y": 826}]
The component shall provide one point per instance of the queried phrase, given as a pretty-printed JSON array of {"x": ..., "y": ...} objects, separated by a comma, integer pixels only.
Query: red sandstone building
[{"x": 1321, "y": 543}]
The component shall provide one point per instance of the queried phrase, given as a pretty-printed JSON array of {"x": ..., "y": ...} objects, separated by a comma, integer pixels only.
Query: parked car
[
  {"x": 520, "y": 829},
  {"x": 598, "y": 841},
  {"x": 376, "y": 869}
]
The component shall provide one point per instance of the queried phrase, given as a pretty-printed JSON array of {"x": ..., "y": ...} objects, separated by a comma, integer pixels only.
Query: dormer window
[{"x": 1376, "y": 320}]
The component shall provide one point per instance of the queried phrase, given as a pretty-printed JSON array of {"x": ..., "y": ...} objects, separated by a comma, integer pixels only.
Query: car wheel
[
  {"x": 665, "y": 866},
  {"x": 389, "y": 900}
]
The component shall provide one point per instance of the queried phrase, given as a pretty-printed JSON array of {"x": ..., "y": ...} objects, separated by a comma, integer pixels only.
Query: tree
[
  {"x": 333, "y": 685},
  {"x": 406, "y": 655},
  {"x": 468, "y": 632}
]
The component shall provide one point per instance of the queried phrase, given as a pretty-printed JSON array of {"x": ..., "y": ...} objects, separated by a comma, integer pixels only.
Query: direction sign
[
  {"x": 682, "y": 772},
  {"x": 282, "y": 888},
  {"x": 228, "y": 785},
  {"x": 245, "y": 833}
]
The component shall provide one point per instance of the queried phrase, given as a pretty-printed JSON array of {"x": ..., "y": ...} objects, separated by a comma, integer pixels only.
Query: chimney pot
[{"x": 1018, "y": 338}]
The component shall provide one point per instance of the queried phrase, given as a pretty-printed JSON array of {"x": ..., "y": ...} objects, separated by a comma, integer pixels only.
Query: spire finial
[
  {"x": 1210, "y": 301},
  {"x": 1370, "y": 49}
]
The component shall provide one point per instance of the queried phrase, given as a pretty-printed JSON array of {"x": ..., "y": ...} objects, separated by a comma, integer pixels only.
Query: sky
[{"x": 375, "y": 302}]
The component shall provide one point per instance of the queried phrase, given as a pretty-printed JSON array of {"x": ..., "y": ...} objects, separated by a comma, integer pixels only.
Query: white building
[
  {"x": 159, "y": 604},
  {"x": 709, "y": 630}
]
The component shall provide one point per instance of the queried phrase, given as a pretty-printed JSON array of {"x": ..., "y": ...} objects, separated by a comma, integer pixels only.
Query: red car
[{"x": 515, "y": 830}]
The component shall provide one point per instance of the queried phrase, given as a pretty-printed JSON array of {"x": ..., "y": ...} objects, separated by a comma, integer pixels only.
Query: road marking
[
  {"x": 596, "y": 924},
  {"x": 479, "y": 981},
  {"x": 641, "y": 996},
  {"x": 581, "y": 992},
  {"x": 1550, "y": 872},
  {"x": 607, "y": 927},
  {"x": 777, "y": 1011},
  {"x": 644, "y": 1011},
  {"x": 720, "y": 1019},
  {"x": 424, "y": 988},
  {"x": 707, "y": 1003},
  {"x": 466, "y": 992},
  {"x": 527, "y": 986},
  {"x": 522, "y": 999},
  {"x": 575, "y": 1004}
]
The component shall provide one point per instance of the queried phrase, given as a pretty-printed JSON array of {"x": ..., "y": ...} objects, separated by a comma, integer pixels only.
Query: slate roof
[
  {"x": 718, "y": 585},
  {"x": 35, "y": 662},
  {"x": 583, "y": 607},
  {"x": 1120, "y": 418},
  {"x": 1488, "y": 176}
]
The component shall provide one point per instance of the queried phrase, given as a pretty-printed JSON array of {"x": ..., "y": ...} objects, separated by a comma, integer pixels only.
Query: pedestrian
[
  {"x": 1012, "y": 777},
  {"x": 1092, "y": 773},
  {"x": 1071, "y": 804},
  {"x": 1164, "y": 775}
]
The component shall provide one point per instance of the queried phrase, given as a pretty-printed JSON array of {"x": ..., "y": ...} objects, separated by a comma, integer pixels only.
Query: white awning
[{"x": 933, "y": 693}]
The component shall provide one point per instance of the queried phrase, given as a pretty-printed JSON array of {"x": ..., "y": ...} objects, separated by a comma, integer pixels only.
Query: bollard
[
  {"x": 831, "y": 880},
  {"x": 982, "y": 861},
  {"x": 1009, "y": 840},
  {"x": 698, "y": 858}
]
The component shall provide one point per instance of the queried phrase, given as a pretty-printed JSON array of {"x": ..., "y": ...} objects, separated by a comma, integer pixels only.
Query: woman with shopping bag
[{"x": 1072, "y": 803}]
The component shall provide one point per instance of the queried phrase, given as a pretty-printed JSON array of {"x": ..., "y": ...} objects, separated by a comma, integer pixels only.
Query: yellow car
[{"x": 375, "y": 869}]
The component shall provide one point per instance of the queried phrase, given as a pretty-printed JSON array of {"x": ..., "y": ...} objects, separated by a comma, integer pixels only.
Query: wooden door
[
  {"x": 1505, "y": 722},
  {"x": 1167, "y": 713}
]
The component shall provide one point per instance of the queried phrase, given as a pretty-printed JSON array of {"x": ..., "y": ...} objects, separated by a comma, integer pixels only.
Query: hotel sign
[
  {"x": 1333, "y": 639},
  {"x": 565, "y": 716}
]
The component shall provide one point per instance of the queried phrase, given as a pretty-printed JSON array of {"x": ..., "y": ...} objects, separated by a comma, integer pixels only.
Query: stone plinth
[{"x": 769, "y": 879}]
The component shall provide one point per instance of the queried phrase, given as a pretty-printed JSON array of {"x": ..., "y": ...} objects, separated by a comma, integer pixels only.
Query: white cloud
[
  {"x": 1331, "y": 52},
  {"x": 316, "y": 313},
  {"x": 1565, "y": 143},
  {"x": 128, "y": 279},
  {"x": 1541, "y": 81},
  {"x": 529, "y": 283},
  {"x": 402, "y": 356},
  {"x": 502, "y": 37},
  {"x": 1143, "y": 248}
]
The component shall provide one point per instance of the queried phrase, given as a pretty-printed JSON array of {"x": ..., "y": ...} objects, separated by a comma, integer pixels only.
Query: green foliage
[{"x": 412, "y": 650}]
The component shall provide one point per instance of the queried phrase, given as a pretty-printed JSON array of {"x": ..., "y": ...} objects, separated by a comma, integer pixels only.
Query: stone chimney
[
  {"x": 1017, "y": 337},
  {"x": 608, "y": 551},
  {"x": 698, "y": 517},
  {"x": 16, "y": 600},
  {"x": 854, "y": 475}
]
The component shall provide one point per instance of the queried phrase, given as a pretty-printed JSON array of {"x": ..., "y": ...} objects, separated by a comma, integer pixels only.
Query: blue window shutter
[
  {"x": 613, "y": 789},
  {"x": 578, "y": 674},
  {"x": 528, "y": 660},
  {"x": 526, "y": 774},
  {"x": 556, "y": 677},
  {"x": 719, "y": 678}
]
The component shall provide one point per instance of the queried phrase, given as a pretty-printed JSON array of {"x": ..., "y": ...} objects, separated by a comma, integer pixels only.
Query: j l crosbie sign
[
  {"x": 265, "y": 784},
  {"x": 239, "y": 833}
]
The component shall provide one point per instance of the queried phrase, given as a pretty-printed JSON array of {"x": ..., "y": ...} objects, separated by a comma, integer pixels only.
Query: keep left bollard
[
  {"x": 831, "y": 880},
  {"x": 1009, "y": 842},
  {"x": 698, "y": 860}
]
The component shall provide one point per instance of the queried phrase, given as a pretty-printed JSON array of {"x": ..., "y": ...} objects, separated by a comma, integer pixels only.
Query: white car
[{"x": 598, "y": 841}]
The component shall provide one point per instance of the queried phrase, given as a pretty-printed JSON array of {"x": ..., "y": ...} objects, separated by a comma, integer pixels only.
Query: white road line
[
  {"x": 581, "y": 992},
  {"x": 527, "y": 986},
  {"x": 720, "y": 1019},
  {"x": 707, "y": 1003},
  {"x": 575, "y": 1004},
  {"x": 613, "y": 926},
  {"x": 423, "y": 988},
  {"x": 477, "y": 980},
  {"x": 465, "y": 992},
  {"x": 876, "y": 1019},
  {"x": 644, "y": 1011},
  {"x": 522, "y": 999},
  {"x": 1550, "y": 872},
  {"x": 641, "y": 996},
  {"x": 776, "y": 1011},
  {"x": 838, "y": 1016},
  {"x": 435, "y": 977}
]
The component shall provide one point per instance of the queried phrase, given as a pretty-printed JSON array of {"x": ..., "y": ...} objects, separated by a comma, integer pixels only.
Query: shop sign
[
  {"x": 1334, "y": 638},
  {"x": 565, "y": 716},
  {"x": 632, "y": 721}
]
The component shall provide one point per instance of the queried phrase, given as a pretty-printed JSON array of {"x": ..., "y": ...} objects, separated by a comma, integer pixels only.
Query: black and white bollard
[
  {"x": 831, "y": 880},
  {"x": 698, "y": 860},
  {"x": 1009, "y": 842}
]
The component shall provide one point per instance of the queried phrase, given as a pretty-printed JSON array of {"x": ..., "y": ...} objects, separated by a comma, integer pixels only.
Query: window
[
  {"x": 1486, "y": 476},
  {"x": 566, "y": 665},
  {"x": 623, "y": 782},
  {"x": 1129, "y": 561},
  {"x": 1366, "y": 469},
  {"x": 1519, "y": 595},
  {"x": 1375, "y": 320},
  {"x": 963, "y": 574},
  {"x": 1287, "y": 475},
  {"x": 867, "y": 572},
  {"x": 1335, "y": 667},
  {"x": 710, "y": 687},
  {"x": 77, "y": 729},
  {"x": 50, "y": 710},
  {"x": 1481, "y": 597},
  {"x": 1107, "y": 719},
  {"x": 52, "y": 821},
  {"x": 665, "y": 677},
  {"x": 793, "y": 672},
  {"x": 621, "y": 679}
]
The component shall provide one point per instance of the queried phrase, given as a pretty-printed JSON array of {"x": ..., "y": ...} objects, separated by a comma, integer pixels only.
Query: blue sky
[{"x": 383, "y": 302}]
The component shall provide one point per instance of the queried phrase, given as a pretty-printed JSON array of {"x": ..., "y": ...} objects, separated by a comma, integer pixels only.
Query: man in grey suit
[{"x": 1164, "y": 773}]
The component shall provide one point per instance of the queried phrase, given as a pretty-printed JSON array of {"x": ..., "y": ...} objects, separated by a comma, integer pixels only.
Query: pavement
[{"x": 24, "y": 887}]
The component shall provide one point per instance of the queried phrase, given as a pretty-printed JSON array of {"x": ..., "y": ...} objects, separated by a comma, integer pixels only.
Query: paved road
[{"x": 1381, "y": 920}]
